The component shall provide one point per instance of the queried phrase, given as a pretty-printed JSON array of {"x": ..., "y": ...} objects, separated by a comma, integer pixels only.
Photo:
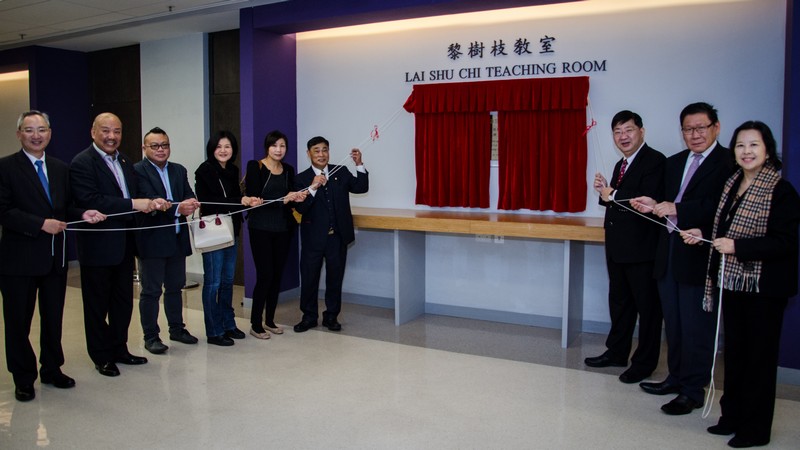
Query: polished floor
[{"x": 434, "y": 383}]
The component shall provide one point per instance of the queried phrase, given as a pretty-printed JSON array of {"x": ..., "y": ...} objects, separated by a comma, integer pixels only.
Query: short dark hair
[
  {"x": 272, "y": 137},
  {"x": 32, "y": 112},
  {"x": 317, "y": 140},
  {"x": 700, "y": 108},
  {"x": 213, "y": 141},
  {"x": 154, "y": 130},
  {"x": 766, "y": 136},
  {"x": 624, "y": 116}
]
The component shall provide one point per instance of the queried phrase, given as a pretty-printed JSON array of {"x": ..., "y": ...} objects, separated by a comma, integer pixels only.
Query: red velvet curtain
[
  {"x": 542, "y": 160},
  {"x": 452, "y": 153}
]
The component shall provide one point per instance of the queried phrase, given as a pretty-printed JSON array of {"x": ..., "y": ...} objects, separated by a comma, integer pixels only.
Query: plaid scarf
[{"x": 749, "y": 220}]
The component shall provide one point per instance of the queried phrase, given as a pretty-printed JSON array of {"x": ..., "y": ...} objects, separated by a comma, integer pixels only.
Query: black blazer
[
  {"x": 695, "y": 210},
  {"x": 630, "y": 238},
  {"x": 94, "y": 186},
  {"x": 162, "y": 242},
  {"x": 24, "y": 248},
  {"x": 315, "y": 223}
]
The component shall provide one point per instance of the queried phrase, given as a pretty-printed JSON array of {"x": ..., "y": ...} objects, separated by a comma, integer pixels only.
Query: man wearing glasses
[
  {"x": 163, "y": 244},
  {"x": 34, "y": 206},
  {"x": 693, "y": 182},
  {"x": 630, "y": 252}
]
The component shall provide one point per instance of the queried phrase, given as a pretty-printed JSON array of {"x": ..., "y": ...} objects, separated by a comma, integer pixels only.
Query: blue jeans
[{"x": 218, "y": 268}]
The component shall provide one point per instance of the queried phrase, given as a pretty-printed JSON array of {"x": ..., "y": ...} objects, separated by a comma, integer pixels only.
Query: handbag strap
[{"x": 224, "y": 193}]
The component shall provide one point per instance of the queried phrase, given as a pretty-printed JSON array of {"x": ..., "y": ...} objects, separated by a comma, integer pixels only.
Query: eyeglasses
[
  {"x": 40, "y": 130},
  {"x": 156, "y": 146},
  {"x": 699, "y": 130},
  {"x": 625, "y": 132}
]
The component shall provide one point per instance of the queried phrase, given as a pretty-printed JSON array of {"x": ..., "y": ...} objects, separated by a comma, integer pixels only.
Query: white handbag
[{"x": 211, "y": 233}]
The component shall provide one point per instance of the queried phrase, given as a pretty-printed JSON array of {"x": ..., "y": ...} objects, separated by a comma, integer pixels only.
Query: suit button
[{"x": 610, "y": 222}]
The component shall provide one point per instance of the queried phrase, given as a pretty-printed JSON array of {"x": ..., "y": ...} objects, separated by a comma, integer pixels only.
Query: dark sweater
[{"x": 215, "y": 184}]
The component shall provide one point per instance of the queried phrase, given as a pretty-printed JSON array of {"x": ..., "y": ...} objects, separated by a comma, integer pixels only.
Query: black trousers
[
  {"x": 633, "y": 295},
  {"x": 107, "y": 308},
  {"x": 690, "y": 334},
  {"x": 334, "y": 253},
  {"x": 19, "y": 302},
  {"x": 270, "y": 250},
  {"x": 752, "y": 339}
]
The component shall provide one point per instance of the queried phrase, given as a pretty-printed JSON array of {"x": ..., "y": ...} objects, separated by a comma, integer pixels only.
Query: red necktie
[{"x": 622, "y": 171}]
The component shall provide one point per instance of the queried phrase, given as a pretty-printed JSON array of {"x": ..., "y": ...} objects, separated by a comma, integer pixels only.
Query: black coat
[
  {"x": 695, "y": 210},
  {"x": 315, "y": 223},
  {"x": 630, "y": 238},
  {"x": 24, "y": 248},
  {"x": 94, "y": 186}
]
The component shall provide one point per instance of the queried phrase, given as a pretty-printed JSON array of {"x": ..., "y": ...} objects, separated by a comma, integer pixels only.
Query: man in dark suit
[
  {"x": 693, "y": 182},
  {"x": 34, "y": 204},
  {"x": 326, "y": 230},
  {"x": 164, "y": 247},
  {"x": 102, "y": 178},
  {"x": 630, "y": 251}
]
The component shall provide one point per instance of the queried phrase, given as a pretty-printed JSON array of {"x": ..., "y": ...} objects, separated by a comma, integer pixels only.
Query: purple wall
[
  {"x": 790, "y": 340},
  {"x": 268, "y": 102},
  {"x": 59, "y": 86}
]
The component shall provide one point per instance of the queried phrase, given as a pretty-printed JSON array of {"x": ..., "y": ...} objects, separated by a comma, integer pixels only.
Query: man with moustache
[
  {"x": 34, "y": 205},
  {"x": 102, "y": 178},
  {"x": 693, "y": 182},
  {"x": 163, "y": 248},
  {"x": 630, "y": 251},
  {"x": 326, "y": 230}
]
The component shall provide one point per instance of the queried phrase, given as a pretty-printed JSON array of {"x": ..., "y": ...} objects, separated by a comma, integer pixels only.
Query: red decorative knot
[
  {"x": 589, "y": 127},
  {"x": 217, "y": 221},
  {"x": 202, "y": 224},
  {"x": 374, "y": 134}
]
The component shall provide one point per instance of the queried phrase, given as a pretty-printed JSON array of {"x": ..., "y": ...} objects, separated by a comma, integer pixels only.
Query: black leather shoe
[
  {"x": 332, "y": 325},
  {"x": 631, "y": 376},
  {"x": 108, "y": 369},
  {"x": 183, "y": 336},
  {"x": 25, "y": 393},
  {"x": 304, "y": 326},
  {"x": 235, "y": 334},
  {"x": 661, "y": 388},
  {"x": 131, "y": 360},
  {"x": 604, "y": 361},
  {"x": 58, "y": 380},
  {"x": 742, "y": 442},
  {"x": 721, "y": 430},
  {"x": 222, "y": 341},
  {"x": 155, "y": 346},
  {"x": 681, "y": 405}
]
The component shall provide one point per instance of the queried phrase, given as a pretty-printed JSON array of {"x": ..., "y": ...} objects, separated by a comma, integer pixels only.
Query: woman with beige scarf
[{"x": 756, "y": 229}]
